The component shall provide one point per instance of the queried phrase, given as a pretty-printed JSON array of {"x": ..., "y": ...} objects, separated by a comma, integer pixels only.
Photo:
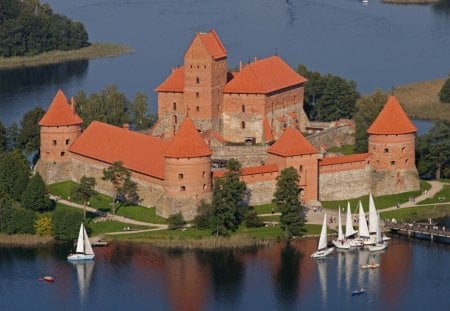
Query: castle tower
[
  {"x": 392, "y": 151},
  {"x": 60, "y": 126},
  {"x": 205, "y": 75},
  {"x": 294, "y": 150},
  {"x": 187, "y": 172}
]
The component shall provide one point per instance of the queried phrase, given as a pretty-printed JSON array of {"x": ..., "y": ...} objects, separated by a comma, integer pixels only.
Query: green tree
[
  {"x": 66, "y": 223},
  {"x": 328, "y": 97},
  {"x": 14, "y": 174},
  {"x": 117, "y": 175},
  {"x": 368, "y": 107},
  {"x": 202, "y": 220},
  {"x": 227, "y": 200},
  {"x": 16, "y": 220},
  {"x": 252, "y": 220},
  {"x": 35, "y": 196},
  {"x": 139, "y": 116},
  {"x": 444, "y": 94},
  {"x": 84, "y": 191},
  {"x": 176, "y": 221},
  {"x": 12, "y": 136},
  {"x": 29, "y": 135},
  {"x": 433, "y": 151},
  {"x": 129, "y": 192},
  {"x": 43, "y": 226},
  {"x": 3, "y": 138},
  {"x": 287, "y": 200}
]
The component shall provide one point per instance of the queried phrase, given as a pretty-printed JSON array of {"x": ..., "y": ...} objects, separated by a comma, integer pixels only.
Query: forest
[{"x": 30, "y": 28}]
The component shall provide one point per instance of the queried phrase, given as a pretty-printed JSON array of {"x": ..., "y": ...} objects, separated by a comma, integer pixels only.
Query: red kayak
[{"x": 47, "y": 278}]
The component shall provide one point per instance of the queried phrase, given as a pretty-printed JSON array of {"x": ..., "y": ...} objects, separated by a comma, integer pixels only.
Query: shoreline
[
  {"x": 25, "y": 240},
  {"x": 95, "y": 50}
]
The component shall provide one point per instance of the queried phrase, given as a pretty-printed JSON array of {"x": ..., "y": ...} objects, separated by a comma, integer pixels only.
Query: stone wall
[
  {"x": 342, "y": 184},
  {"x": 247, "y": 155},
  {"x": 391, "y": 182},
  {"x": 53, "y": 172},
  {"x": 335, "y": 136},
  {"x": 261, "y": 192}
]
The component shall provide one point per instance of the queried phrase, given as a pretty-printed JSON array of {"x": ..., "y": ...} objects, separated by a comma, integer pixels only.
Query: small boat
[
  {"x": 84, "y": 249},
  {"x": 340, "y": 242},
  {"x": 322, "y": 249},
  {"x": 379, "y": 244},
  {"x": 365, "y": 2},
  {"x": 47, "y": 278},
  {"x": 370, "y": 266},
  {"x": 358, "y": 292}
]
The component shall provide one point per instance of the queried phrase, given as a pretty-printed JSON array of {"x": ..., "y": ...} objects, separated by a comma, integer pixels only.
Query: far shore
[
  {"x": 95, "y": 50},
  {"x": 28, "y": 240},
  {"x": 410, "y": 1}
]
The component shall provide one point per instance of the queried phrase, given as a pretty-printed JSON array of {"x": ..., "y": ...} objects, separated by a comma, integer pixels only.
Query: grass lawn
[
  {"x": 270, "y": 218},
  {"x": 266, "y": 208},
  {"x": 110, "y": 226},
  {"x": 345, "y": 149},
  {"x": 442, "y": 196},
  {"x": 103, "y": 203},
  {"x": 418, "y": 213},
  {"x": 189, "y": 233}
]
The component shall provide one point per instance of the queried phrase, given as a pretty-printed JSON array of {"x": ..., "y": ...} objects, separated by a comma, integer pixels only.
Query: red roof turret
[
  {"x": 292, "y": 143},
  {"x": 60, "y": 113},
  {"x": 187, "y": 143},
  {"x": 213, "y": 44},
  {"x": 392, "y": 120}
]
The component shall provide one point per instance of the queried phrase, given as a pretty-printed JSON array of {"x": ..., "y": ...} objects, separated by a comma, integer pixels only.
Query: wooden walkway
[{"x": 421, "y": 231}]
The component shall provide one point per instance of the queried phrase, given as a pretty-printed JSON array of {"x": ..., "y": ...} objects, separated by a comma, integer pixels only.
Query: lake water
[
  {"x": 377, "y": 45},
  {"x": 413, "y": 275}
]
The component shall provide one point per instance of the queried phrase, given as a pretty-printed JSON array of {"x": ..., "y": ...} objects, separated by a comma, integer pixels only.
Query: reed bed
[
  {"x": 95, "y": 50},
  {"x": 421, "y": 100},
  {"x": 25, "y": 240}
]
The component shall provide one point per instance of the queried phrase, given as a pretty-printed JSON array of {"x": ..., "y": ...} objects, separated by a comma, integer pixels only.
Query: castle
[{"x": 206, "y": 113}]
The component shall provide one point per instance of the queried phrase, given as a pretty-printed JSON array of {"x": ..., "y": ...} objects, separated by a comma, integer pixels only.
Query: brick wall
[
  {"x": 246, "y": 155},
  {"x": 335, "y": 136},
  {"x": 56, "y": 140},
  {"x": 397, "y": 181}
]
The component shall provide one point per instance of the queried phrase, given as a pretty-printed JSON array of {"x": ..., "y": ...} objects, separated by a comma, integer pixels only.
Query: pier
[{"x": 422, "y": 231}]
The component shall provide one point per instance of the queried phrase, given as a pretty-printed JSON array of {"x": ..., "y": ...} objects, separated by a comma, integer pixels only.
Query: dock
[
  {"x": 428, "y": 232},
  {"x": 98, "y": 241}
]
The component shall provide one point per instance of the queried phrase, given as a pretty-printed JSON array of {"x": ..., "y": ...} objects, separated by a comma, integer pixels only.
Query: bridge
[{"x": 422, "y": 231}]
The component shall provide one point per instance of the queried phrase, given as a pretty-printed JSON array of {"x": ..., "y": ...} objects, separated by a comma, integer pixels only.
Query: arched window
[
  {"x": 54, "y": 142},
  {"x": 180, "y": 176},
  {"x": 300, "y": 168},
  {"x": 204, "y": 174},
  {"x": 403, "y": 149},
  {"x": 242, "y": 124},
  {"x": 174, "y": 106},
  {"x": 67, "y": 141},
  {"x": 197, "y": 109},
  {"x": 406, "y": 161},
  {"x": 197, "y": 80},
  {"x": 62, "y": 153},
  {"x": 386, "y": 150},
  {"x": 182, "y": 188},
  {"x": 243, "y": 108},
  {"x": 175, "y": 120},
  {"x": 392, "y": 163},
  {"x": 197, "y": 94}
]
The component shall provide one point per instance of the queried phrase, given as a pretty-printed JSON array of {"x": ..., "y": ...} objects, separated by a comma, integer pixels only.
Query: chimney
[
  {"x": 126, "y": 126},
  {"x": 240, "y": 65},
  {"x": 72, "y": 104}
]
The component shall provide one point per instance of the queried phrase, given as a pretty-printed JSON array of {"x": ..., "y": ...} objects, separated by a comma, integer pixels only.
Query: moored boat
[
  {"x": 84, "y": 249},
  {"x": 322, "y": 249}
]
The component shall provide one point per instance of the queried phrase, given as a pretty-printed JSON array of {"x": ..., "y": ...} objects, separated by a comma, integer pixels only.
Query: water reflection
[
  {"x": 34, "y": 77},
  {"x": 286, "y": 279},
  {"x": 322, "y": 269},
  {"x": 84, "y": 274},
  {"x": 442, "y": 7}
]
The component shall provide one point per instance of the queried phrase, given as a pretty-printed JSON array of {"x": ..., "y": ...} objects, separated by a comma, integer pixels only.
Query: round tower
[
  {"x": 187, "y": 172},
  {"x": 60, "y": 126},
  {"x": 392, "y": 151}
]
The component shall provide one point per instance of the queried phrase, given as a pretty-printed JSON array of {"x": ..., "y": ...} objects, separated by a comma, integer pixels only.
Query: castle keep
[{"x": 202, "y": 107}]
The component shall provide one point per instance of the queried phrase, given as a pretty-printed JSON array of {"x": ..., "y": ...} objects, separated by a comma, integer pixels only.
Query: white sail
[
  {"x": 323, "y": 235},
  {"x": 80, "y": 244},
  {"x": 349, "y": 224},
  {"x": 378, "y": 231},
  {"x": 340, "y": 233},
  {"x": 87, "y": 245},
  {"x": 373, "y": 217},
  {"x": 363, "y": 230}
]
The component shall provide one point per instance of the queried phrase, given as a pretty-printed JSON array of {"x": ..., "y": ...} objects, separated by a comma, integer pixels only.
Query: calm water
[
  {"x": 378, "y": 45},
  {"x": 412, "y": 276}
]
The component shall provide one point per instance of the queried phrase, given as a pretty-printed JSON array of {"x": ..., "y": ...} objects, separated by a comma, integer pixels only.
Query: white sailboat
[
  {"x": 340, "y": 243},
  {"x": 322, "y": 249},
  {"x": 373, "y": 217},
  {"x": 363, "y": 229},
  {"x": 84, "y": 249},
  {"x": 379, "y": 244},
  {"x": 350, "y": 231}
]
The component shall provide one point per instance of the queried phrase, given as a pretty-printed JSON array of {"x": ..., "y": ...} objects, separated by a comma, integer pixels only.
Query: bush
[
  {"x": 176, "y": 221},
  {"x": 35, "y": 196},
  {"x": 252, "y": 220},
  {"x": 44, "y": 226},
  {"x": 66, "y": 223},
  {"x": 203, "y": 219},
  {"x": 16, "y": 219},
  {"x": 444, "y": 94}
]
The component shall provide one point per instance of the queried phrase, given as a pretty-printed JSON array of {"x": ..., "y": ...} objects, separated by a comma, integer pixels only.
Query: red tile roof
[
  {"x": 264, "y": 76},
  {"x": 213, "y": 44},
  {"x": 187, "y": 143},
  {"x": 212, "y": 134},
  {"x": 107, "y": 143},
  {"x": 392, "y": 120},
  {"x": 174, "y": 82},
  {"x": 292, "y": 143},
  {"x": 60, "y": 113},
  {"x": 252, "y": 170},
  {"x": 343, "y": 159},
  {"x": 267, "y": 130}
]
